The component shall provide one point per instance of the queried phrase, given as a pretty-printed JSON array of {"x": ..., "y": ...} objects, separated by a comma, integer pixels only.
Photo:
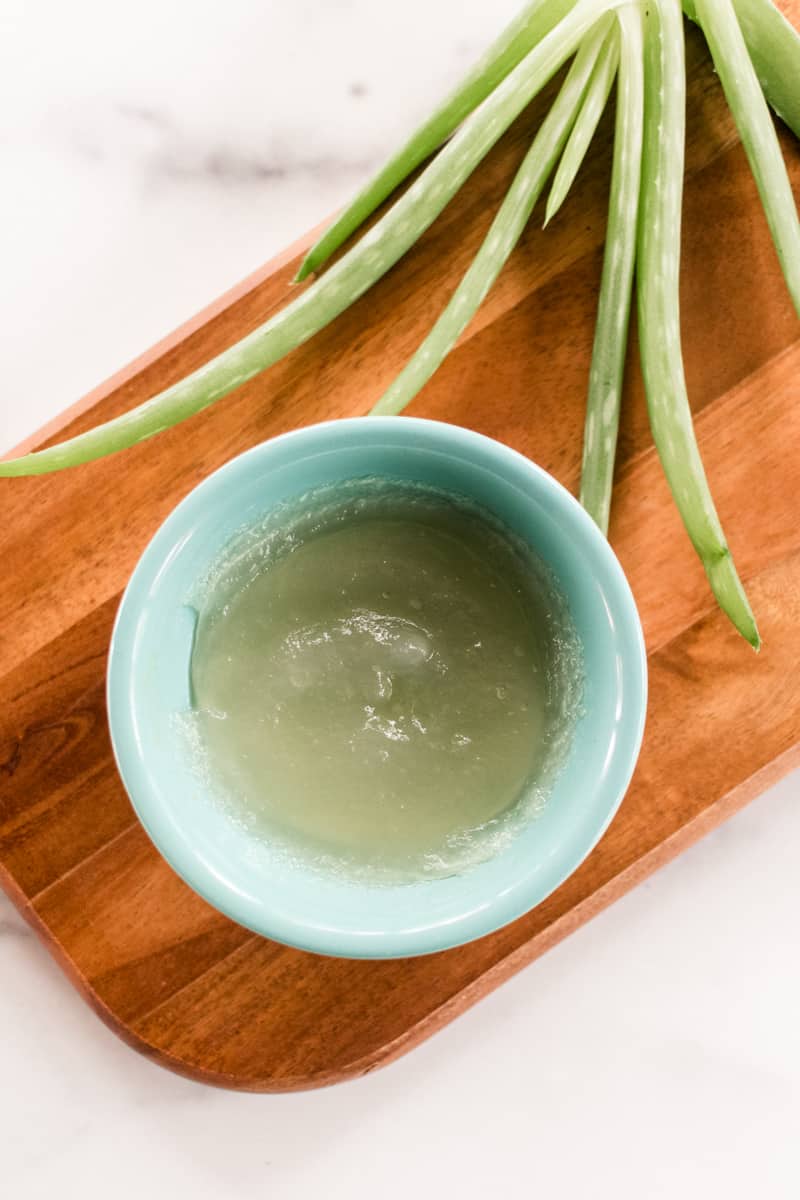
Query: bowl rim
[{"x": 270, "y": 921}]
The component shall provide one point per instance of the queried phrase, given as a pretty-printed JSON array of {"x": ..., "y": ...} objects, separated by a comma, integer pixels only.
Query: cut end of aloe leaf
[
  {"x": 727, "y": 587},
  {"x": 314, "y": 258},
  {"x": 16, "y": 467},
  {"x": 40, "y": 462},
  {"x": 306, "y": 268}
]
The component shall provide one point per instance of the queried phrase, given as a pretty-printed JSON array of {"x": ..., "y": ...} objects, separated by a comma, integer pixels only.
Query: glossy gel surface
[{"x": 384, "y": 680}]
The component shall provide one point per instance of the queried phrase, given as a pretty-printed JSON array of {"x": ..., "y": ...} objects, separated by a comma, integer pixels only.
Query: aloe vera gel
[{"x": 384, "y": 681}]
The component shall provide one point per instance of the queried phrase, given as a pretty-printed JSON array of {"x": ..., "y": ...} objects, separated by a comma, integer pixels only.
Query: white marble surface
[{"x": 152, "y": 155}]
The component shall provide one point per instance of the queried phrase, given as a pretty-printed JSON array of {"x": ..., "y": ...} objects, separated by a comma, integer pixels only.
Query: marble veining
[{"x": 167, "y": 152}]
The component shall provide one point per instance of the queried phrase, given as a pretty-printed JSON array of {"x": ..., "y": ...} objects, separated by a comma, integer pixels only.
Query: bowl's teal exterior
[{"x": 149, "y": 671}]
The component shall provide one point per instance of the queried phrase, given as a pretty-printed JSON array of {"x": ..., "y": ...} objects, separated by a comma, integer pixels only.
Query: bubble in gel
[{"x": 410, "y": 649}]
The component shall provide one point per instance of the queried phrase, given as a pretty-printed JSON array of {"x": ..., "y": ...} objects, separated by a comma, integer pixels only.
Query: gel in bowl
[{"x": 148, "y": 684}]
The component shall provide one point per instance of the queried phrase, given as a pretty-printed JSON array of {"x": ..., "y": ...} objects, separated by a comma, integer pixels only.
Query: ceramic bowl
[{"x": 148, "y": 683}]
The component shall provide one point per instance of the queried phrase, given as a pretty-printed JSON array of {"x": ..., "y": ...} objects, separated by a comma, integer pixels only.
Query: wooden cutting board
[{"x": 171, "y": 976}]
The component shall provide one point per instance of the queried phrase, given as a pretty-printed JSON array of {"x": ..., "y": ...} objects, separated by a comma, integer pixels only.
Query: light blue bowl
[{"x": 148, "y": 678}]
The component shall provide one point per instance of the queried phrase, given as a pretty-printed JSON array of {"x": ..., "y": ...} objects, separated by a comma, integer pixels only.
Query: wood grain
[{"x": 169, "y": 974}]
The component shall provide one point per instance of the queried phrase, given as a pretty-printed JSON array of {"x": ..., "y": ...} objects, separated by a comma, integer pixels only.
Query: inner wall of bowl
[{"x": 239, "y": 875}]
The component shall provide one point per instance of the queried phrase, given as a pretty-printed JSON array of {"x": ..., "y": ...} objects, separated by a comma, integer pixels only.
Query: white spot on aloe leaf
[{"x": 609, "y": 406}]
